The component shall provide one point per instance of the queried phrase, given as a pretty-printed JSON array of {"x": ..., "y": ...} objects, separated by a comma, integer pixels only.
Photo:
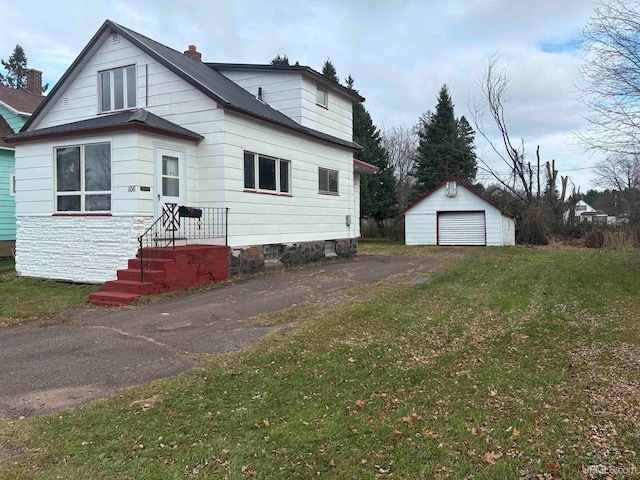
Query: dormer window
[
  {"x": 118, "y": 89},
  {"x": 322, "y": 97}
]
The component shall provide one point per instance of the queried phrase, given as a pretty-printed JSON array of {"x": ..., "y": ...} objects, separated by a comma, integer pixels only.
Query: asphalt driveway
[{"x": 49, "y": 365}]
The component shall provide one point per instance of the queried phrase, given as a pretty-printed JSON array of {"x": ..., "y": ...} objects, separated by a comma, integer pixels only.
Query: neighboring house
[
  {"x": 134, "y": 126},
  {"x": 452, "y": 214},
  {"x": 584, "y": 212},
  {"x": 16, "y": 107}
]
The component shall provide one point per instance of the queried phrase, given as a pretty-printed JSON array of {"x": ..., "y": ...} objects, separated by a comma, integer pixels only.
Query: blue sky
[{"x": 400, "y": 52}]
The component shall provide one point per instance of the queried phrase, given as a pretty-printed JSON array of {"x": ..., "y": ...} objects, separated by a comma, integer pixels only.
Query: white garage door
[{"x": 461, "y": 228}]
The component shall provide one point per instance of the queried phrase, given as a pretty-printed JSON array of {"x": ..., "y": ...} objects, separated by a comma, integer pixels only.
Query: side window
[
  {"x": 322, "y": 97},
  {"x": 262, "y": 173},
  {"x": 117, "y": 88},
  {"x": 327, "y": 181}
]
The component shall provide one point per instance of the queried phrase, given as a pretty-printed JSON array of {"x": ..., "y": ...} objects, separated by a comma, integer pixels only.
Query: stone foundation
[{"x": 254, "y": 259}]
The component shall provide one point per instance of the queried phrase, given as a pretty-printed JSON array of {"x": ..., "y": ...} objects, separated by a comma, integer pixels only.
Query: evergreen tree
[
  {"x": 283, "y": 60},
  {"x": 280, "y": 60},
  {"x": 16, "y": 67},
  {"x": 377, "y": 192},
  {"x": 329, "y": 71},
  {"x": 446, "y": 146}
]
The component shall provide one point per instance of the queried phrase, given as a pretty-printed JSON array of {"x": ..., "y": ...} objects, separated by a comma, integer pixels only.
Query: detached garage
[{"x": 452, "y": 214}]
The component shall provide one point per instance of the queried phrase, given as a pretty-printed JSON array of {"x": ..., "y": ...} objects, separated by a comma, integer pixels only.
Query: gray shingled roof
[
  {"x": 118, "y": 121},
  {"x": 206, "y": 79}
]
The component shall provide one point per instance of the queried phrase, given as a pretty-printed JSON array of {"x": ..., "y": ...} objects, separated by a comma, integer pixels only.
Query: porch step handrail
[{"x": 208, "y": 223}]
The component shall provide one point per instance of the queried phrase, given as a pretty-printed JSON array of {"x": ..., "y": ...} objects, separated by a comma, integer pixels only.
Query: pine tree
[
  {"x": 16, "y": 67},
  {"x": 329, "y": 71},
  {"x": 446, "y": 147},
  {"x": 377, "y": 192},
  {"x": 283, "y": 60},
  {"x": 280, "y": 60}
]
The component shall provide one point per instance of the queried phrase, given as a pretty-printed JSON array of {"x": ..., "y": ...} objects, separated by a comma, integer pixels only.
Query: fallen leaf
[
  {"x": 490, "y": 457},
  {"x": 553, "y": 466},
  {"x": 408, "y": 419},
  {"x": 266, "y": 423},
  {"x": 352, "y": 360}
]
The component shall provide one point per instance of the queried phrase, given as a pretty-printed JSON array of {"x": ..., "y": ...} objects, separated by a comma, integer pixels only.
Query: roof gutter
[
  {"x": 35, "y": 137},
  {"x": 13, "y": 110}
]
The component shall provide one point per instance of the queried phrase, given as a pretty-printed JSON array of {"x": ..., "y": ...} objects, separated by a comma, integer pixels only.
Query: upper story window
[
  {"x": 118, "y": 89},
  {"x": 322, "y": 97},
  {"x": 83, "y": 178},
  {"x": 266, "y": 173},
  {"x": 327, "y": 181}
]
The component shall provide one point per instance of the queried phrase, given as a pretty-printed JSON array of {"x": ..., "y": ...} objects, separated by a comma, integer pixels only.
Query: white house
[
  {"x": 452, "y": 214},
  {"x": 134, "y": 126}
]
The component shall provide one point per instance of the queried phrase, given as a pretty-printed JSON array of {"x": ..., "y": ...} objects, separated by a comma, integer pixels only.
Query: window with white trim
[
  {"x": 117, "y": 88},
  {"x": 12, "y": 184},
  {"x": 327, "y": 181},
  {"x": 83, "y": 178},
  {"x": 322, "y": 97},
  {"x": 262, "y": 173}
]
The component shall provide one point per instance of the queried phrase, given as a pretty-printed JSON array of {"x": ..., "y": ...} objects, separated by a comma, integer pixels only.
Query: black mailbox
[{"x": 190, "y": 212}]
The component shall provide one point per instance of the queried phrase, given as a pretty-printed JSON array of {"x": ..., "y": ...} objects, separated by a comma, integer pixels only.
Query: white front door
[{"x": 170, "y": 187}]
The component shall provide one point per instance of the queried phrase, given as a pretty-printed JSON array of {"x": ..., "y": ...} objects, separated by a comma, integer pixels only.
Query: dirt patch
[
  {"x": 7, "y": 452},
  {"x": 46, "y": 401}
]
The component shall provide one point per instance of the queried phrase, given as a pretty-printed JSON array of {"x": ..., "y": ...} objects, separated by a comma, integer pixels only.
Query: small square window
[
  {"x": 322, "y": 97},
  {"x": 327, "y": 181},
  {"x": 12, "y": 184}
]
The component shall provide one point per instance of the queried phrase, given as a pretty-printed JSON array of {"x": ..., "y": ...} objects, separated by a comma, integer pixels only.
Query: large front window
[
  {"x": 118, "y": 89},
  {"x": 266, "y": 173},
  {"x": 83, "y": 178}
]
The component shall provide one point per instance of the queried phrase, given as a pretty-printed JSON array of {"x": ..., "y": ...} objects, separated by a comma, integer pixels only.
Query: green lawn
[
  {"x": 29, "y": 298},
  {"x": 514, "y": 363}
]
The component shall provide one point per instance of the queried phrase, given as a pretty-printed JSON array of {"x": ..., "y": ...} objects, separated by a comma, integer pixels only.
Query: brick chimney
[
  {"x": 193, "y": 53},
  {"x": 34, "y": 81}
]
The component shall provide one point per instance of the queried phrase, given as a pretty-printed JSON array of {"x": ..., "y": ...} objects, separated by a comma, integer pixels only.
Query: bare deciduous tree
[
  {"x": 621, "y": 172},
  {"x": 540, "y": 214},
  {"x": 401, "y": 143},
  {"x": 494, "y": 85},
  {"x": 618, "y": 172},
  {"x": 611, "y": 72}
]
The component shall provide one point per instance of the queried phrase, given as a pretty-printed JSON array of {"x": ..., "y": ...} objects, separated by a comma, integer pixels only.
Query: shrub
[{"x": 594, "y": 239}]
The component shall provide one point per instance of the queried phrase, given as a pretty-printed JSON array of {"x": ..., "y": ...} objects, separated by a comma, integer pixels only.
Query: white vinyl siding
[
  {"x": 461, "y": 228},
  {"x": 300, "y": 217},
  {"x": 296, "y": 96}
]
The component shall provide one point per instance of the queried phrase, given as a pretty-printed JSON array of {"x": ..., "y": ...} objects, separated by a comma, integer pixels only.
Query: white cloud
[{"x": 400, "y": 52}]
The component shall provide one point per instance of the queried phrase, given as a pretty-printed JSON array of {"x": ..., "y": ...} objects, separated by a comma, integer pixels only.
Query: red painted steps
[
  {"x": 111, "y": 298},
  {"x": 174, "y": 269}
]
